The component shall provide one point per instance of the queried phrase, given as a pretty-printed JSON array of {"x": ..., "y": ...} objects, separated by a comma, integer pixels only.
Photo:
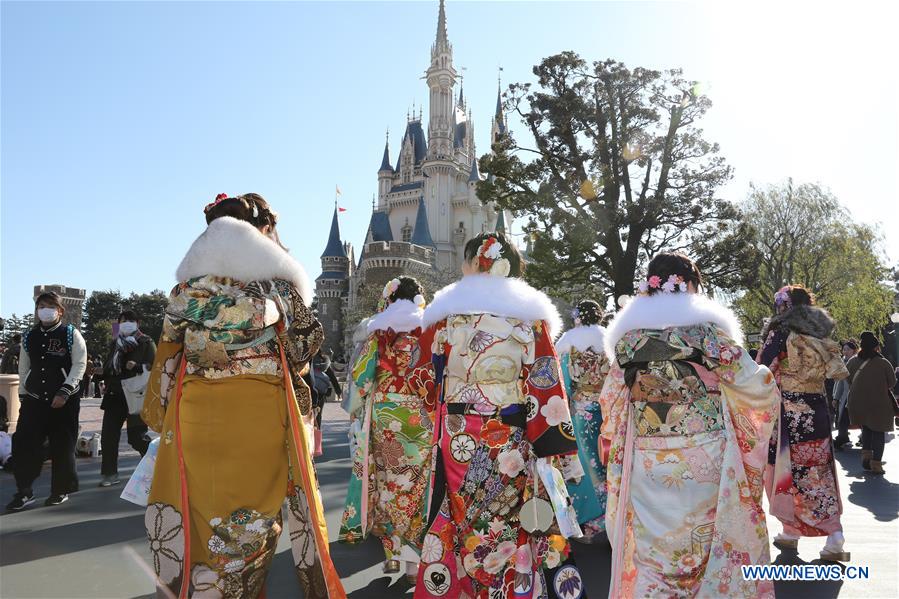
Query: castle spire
[
  {"x": 441, "y": 44},
  {"x": 385, "y": 161},
  {"x": 335, "y": 248},
  {"x": 421, "y": 234}
]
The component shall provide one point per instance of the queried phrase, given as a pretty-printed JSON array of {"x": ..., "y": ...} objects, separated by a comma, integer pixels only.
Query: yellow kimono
[{"x": 234, "y": 445}]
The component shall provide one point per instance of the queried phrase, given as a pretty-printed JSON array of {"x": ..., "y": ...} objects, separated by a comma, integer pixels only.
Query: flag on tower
[{"x": 339, "y": 209}]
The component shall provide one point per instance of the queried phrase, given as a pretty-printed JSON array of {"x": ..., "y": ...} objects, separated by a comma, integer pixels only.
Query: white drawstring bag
[
  {"x": 135, "y": 388},
  {"x": 137, "y": 490}
]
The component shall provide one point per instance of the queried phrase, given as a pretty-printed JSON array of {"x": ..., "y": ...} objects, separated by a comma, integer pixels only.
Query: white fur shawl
[
  {"x": 236, "y": 249},
  {"x": 582, "y": 338},
  {"x": 489, "y": 294},
  {"x": 664, "y": 310},
  {"x": 402, "y": 316}
]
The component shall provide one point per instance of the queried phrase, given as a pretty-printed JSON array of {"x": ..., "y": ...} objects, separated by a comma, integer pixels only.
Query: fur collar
[
  {"x": 665, "y": 310},
  {"x": 237, "y": 250},
  {"x": 489, "y": 294},
  {"x": 805, "y": 320},
  {"x": 582, "y": 338},
  {"x": 401, "y": 316}
]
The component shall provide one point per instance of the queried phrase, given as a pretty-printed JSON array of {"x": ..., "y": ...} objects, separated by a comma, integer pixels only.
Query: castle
[{"x": 426, "y": 208}]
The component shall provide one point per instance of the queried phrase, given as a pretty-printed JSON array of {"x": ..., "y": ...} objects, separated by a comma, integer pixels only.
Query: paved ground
[{"x": 94, "y": 545}]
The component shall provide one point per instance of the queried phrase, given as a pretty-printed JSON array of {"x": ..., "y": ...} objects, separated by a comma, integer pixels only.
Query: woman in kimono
[
  {"x": 688, "y": 416},
  {"x": 801, "y": 480},
  {"x": 584, "y": 369},
  {"x": 237, "y": 336},
  {"x": 502, "y": 417},
  {"x": 392, "y": 457}
]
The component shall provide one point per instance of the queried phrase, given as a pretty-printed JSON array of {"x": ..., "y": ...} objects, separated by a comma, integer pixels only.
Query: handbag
[
  {"x": 536, "y": 514},
  {"x": 135, "y": 388}
]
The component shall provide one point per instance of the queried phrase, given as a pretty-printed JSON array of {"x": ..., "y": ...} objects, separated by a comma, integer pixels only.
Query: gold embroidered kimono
[{"x": 233, "y": 444}]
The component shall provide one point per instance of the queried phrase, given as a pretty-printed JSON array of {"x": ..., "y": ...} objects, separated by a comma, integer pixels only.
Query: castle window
[
  {"x": 407, "y": 233},
  {"x": 324, "y": 309},
  {"x": 334, "y": 326}
]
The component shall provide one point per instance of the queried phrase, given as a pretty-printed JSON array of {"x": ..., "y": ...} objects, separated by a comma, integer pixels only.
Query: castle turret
[
  {"x": 385, "y": 175},
  {"x": 332, "y": 287}
]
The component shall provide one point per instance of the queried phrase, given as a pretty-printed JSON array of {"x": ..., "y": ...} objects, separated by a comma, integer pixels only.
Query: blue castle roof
[
  {"x": 379, "y": 227},
  {"x": 415, "y": 131},
  {"x": 335, "y": 248},
  {"x": 385, "y": 161},
  {"x": 421, "y": 234}
]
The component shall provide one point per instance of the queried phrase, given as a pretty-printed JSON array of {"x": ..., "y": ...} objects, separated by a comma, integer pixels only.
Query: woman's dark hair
[
  {"x": 852, "y": 343},
  {"x": 129, "y": 315},
  {"x": 249, "y": 207},
  {"x": 588, "y": 312},
  {"x": 669, "y": 263},
  {"x": 50, "y": 297},
  {"x": 509, "y": 251},
  {"x": 870, "y": 345},
  {"x": 409, "y": 287},
  {"x": 799, "y": 295}
]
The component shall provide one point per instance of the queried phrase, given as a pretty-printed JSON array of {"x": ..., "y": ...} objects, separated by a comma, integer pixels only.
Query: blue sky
[{"x": 121, "y": 120}]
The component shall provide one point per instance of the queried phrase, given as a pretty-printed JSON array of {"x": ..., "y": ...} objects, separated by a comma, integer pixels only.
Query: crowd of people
[{"x": 484, "y": 441}]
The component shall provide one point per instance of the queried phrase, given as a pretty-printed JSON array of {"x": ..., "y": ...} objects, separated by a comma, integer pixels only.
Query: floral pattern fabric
[
  {"x": 502, "y": 380},
  {"x": 801, "y": 477},
  {"x": 688, "y": 415},
  {"x": 392, "y": 458},
  {"x": 584, "y": 373}
]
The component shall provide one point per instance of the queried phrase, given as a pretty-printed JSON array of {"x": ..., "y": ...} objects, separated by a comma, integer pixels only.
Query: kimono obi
[
  {"x": 486, "y": 361},
  {"x": 227, "y": 327},
  {"x": 588, "y": 369},
  {"x": 398, "y": 355},
  {"x": 808, "y": 361},
  {"x": 673, "y": 390}
]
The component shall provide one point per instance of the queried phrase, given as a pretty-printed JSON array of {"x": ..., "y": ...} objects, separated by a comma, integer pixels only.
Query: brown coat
[{"x": 870, "y": 404}]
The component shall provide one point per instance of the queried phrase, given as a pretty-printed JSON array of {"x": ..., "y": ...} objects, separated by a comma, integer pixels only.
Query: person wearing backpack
[
  {"x": 130, "y": 355},
  {"x": 51, "y": 365}
]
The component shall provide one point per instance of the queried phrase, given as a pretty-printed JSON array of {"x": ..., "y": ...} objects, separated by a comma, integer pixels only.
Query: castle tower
[
  {"x": 332, "y": 287},
  {"x": 498, "y": 127}
]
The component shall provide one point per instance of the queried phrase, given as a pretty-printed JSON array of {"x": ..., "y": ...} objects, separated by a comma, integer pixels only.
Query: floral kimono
[
  {"x": 688, "y": 415},
  {"x": 501, "y": 409},
  {"x": 584, "y": 369},
  {"x": 392, "y": 458},
  {"x": 801, "y": 478},
  {"x": 233, "y": 441}
]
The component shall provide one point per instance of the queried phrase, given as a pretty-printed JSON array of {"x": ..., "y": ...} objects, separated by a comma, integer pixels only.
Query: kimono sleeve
[
  {"x": 364, "y": 371},
  {"x": 613, "y": 402},
  {"x": 753, "y": 401},
  {"x": 164, "y": 373},
  {"x": 549, "y": 427},
  {"x": 565, "y": 360},
  {"x": 775, "y": 344}
]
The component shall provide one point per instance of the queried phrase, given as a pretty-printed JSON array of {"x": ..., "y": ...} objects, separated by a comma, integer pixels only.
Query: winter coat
[{"x": 870, "y": 404}]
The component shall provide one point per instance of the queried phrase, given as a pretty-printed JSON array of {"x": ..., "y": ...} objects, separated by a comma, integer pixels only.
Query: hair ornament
[
  {"x": 490, "y": 258},
  {"x": 674, "y": 283},
  {"x": 419, "y": 300},
  {"x": 218, "y": 200},
  {"x": 782, "y": 297}
]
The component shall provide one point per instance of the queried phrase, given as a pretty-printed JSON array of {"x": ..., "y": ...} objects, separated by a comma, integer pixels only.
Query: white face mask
[
  {"x": 127, "y": 328},
  {"x": 47, "y": 315}
]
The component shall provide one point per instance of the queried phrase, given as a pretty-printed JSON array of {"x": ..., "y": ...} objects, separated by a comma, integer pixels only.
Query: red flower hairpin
[{"x": 219, "y": 198}]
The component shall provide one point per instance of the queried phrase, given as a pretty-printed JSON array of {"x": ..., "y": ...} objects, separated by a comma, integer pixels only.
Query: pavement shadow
[
  {"x": 874, "y": 493},
  {"x": 28, "y": 545},
  {"x": 804, "y": 589}
]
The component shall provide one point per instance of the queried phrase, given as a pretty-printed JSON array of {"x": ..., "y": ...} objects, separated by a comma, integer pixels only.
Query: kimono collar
[
  {"x": 237, "y": 250},
  {"x": 665, "y": 310},
  {"x": 582, "y": 338},
  {"x": 401, "y": 316},
  {"x": 499, "y": 296}
]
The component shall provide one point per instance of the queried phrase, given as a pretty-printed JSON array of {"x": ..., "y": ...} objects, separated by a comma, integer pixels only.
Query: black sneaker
[
  {"x": 56, "y": 499},
  {"x": 19, "y": 502}
]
